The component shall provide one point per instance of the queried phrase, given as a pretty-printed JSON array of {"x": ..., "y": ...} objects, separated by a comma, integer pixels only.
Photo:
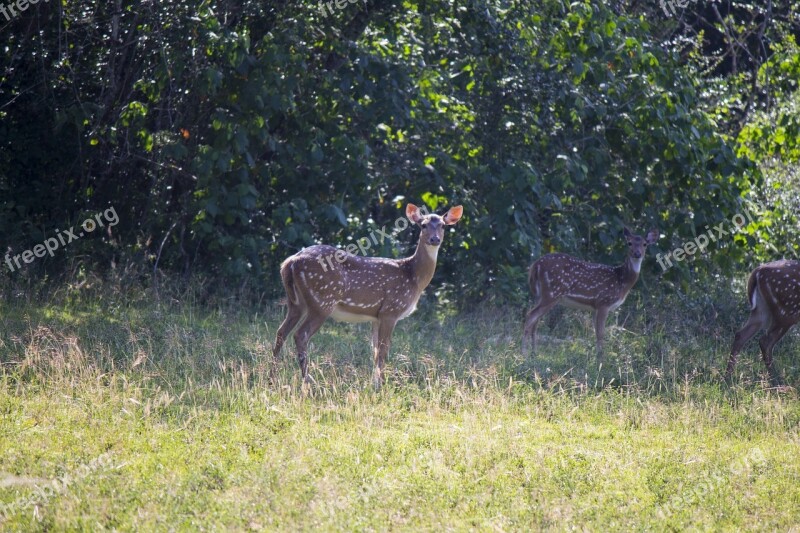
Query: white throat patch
[{"x": 432, "y": 251}]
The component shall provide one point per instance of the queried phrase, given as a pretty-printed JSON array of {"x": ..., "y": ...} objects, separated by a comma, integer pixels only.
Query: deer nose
[
  {"x": 637, "y": 255},
  {"x": 435, "y": 240}
]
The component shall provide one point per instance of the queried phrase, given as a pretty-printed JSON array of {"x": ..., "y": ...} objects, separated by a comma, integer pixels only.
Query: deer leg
[
  {"x": 753, "y": 325},
  {"x": 293, "y": 316},
  {"x": 532, "y": 323},
  {"x": 600, "y": 316},
  {"x": 384, "y": 329},
  {"x": 767, "y": 343},
  {"x": 310, "y": 325},
  {"x": 376, "y": 327},
  {"x": 375, "y": 338}
]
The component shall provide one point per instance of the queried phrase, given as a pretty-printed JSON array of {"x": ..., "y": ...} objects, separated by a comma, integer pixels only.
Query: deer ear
[
  {"x": 652, "y": 236},
  {"x": 453, "y": 215},
  {"x": 627, "y": 232},
  {"x": 412, "y": 212}
]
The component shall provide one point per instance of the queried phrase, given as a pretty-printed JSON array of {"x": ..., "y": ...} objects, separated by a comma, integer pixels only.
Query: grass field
[{"x": 116, "y": 413}]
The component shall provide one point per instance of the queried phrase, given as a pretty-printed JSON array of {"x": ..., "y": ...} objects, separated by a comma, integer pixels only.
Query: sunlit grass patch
[{"x": 178, "y": 417}]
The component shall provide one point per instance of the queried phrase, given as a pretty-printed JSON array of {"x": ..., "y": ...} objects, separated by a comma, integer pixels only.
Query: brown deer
[
  {"x": 562, "y": 279},
  {"x": 322, "y": 281},
  {"x": 773, "y": 291}
]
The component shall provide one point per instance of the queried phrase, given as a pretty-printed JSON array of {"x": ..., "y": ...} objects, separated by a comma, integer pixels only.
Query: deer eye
[{"x": 423, "y": 225}]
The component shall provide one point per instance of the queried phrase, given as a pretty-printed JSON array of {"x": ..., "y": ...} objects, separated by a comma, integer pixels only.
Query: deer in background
[
  {"x": 359, "y": 289},
  {"x": 773, "y": 291},
  {"x": 562, "y": 279}
]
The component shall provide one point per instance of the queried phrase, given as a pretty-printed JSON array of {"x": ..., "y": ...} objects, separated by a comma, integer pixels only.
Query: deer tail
[
  {"x": 533, "y": 281},
  {"x": 752, "y": 287},
  {"x": 287, "y": 276}
]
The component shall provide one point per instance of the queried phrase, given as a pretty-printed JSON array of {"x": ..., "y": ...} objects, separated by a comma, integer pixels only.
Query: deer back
[
  {"x": 344, "y": 284},
  {"x": 555, "y": 276}
]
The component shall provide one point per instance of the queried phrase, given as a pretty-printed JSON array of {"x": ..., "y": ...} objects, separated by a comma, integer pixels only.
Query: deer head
[
  {"x": 638, "y": 244},
  {"x": 432, "y": 226}
]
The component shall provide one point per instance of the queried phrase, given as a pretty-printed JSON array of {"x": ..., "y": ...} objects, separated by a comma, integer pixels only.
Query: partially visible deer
[
  {"x": 350, "y": 288},
  {"x": 562, "y": 279},
  {"x": 773, "y": 291}
]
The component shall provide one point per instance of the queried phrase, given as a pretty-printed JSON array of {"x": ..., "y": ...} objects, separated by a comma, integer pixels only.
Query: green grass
[{"x": 134, "y": 417}]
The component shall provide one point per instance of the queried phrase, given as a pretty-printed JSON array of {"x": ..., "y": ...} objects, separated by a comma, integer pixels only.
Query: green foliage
[{"x": 229, "y": 137}]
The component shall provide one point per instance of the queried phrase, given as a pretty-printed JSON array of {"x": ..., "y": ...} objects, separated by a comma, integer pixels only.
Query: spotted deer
[
  {"x": 562, "y": 279},
  {"x": 773, "y": 291},
  {"x": 350, "y": 288}
]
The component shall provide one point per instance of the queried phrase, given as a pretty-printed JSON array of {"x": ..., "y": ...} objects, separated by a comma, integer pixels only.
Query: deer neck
[
  {"x": 628, "y": 271},
  {"x": 423, "y": 264}
]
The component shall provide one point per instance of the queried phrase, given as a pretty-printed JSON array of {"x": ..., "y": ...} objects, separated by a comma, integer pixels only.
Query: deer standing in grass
[
  {"x": 773, "y": 291},
  {"x": 359, "y": 289},
  {"x": 562, "y": 279}
]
